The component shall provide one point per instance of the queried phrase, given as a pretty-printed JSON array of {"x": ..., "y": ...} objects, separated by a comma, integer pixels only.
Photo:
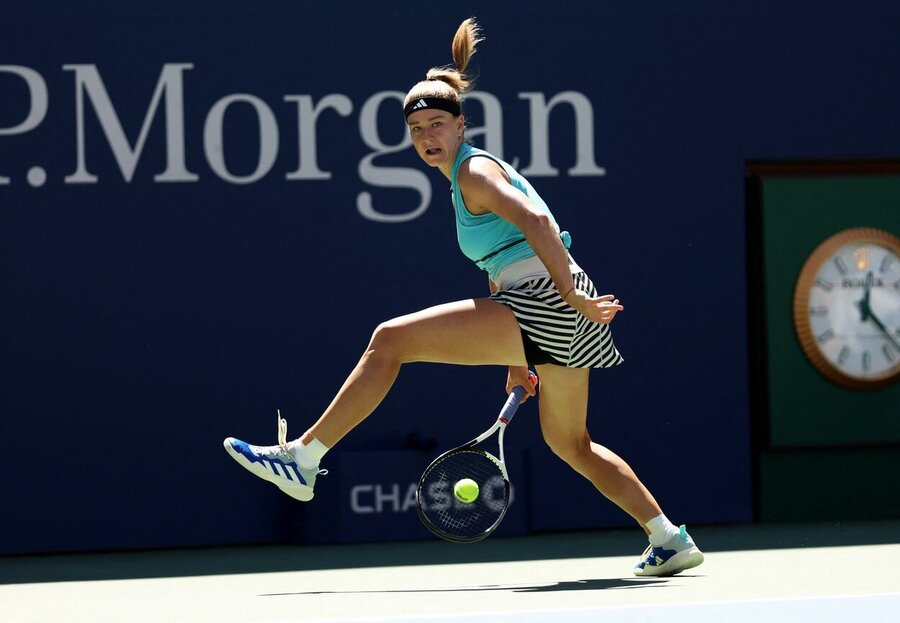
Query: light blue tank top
[{"x": 491, "y": 242}]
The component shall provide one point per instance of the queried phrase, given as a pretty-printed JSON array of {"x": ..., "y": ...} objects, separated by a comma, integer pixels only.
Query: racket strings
[{"x": 453, "y": 518}]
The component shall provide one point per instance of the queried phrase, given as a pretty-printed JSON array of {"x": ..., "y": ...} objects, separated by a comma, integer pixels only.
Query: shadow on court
[
  {"x": 579, "y": 585},
  {"x": 277, "y": 558}
]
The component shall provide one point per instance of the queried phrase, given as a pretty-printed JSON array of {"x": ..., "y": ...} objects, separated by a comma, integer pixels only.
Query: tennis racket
[{"x": 437, "y": 505}]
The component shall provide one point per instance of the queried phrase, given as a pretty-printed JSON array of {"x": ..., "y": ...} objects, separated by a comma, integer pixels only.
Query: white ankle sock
[
  {"x": 308, "y": 455},
  {"x": 661, "y": 530}
]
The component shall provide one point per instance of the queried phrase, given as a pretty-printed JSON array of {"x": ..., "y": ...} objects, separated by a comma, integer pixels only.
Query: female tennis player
[{"x": 543, "y": 311}]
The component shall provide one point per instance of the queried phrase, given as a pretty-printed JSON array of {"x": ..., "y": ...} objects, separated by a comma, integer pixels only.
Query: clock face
[{"x": 847, "y": 308}]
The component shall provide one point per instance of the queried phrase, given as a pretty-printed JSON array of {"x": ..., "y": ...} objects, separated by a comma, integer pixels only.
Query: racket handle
[
  {"x": 512, "y": 403},
  {"x": 515, "y": 399}
]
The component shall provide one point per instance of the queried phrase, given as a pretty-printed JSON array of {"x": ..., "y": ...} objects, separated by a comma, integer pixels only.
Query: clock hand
[
  {"x": 864, "y": 310},
  {"x": 884, "y": 329}
]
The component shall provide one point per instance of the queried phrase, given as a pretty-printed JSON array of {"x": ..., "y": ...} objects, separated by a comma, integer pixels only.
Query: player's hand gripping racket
[{"x": 462, "y": 519}]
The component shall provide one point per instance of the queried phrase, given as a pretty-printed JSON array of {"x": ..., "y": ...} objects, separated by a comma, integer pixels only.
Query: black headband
[{"x": 440, "y": 103}]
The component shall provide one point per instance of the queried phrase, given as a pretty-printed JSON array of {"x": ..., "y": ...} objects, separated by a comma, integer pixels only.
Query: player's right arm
[
  {"x": 519, "y": 376},
  {"x": 487, "y": 189}
]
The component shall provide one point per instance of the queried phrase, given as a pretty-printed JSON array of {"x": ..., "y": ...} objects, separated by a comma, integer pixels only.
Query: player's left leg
[
  {"x": 469, "y": 332},
  {"x": 466, "y": 332}
]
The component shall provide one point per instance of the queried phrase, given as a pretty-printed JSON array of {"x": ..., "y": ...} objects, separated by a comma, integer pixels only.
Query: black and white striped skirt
[{"x": 566, "y": 337}]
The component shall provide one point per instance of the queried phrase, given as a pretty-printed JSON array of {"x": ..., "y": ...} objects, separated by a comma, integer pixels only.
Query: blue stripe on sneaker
[
  {"x": 270, "y": 463},
  {"x": 657, "y": 557},
  {"x": 297, "y": 473},
  {"x": 246, "y": 452}
]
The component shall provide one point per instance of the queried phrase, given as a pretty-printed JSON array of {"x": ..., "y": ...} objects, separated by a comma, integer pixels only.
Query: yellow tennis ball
[{"x": 466, "y": 490}]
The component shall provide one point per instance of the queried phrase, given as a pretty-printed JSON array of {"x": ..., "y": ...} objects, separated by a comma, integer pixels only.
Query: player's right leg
[
  {"x": 469, "y": 332},
  {"x": 563, "y": 401},
  {"x": 563, "y": 413}
]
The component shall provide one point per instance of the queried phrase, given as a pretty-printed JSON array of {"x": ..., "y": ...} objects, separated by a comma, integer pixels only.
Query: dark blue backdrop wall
[{"x": 204, "y": 212}]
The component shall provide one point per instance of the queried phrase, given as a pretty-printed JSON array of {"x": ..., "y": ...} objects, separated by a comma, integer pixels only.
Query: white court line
[{"x": 829, "y": 609}]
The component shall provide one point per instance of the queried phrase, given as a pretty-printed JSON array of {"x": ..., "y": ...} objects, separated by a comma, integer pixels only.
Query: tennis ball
[{"x": 466, "y": 490}]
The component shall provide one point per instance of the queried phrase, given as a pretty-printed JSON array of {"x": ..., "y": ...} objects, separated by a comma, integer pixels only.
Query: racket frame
[{"x": 506, "y": 415}]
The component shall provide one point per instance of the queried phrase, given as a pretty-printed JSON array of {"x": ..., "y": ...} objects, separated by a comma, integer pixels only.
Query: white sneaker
[
  {"x": 276, "y": 464},
  {"x": 674, "y": 556}
]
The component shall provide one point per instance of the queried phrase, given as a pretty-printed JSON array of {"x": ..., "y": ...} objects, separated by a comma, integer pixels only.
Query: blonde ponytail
[
  {"x": 466, "y": 39},
  {"x": 450, "y": 82}
]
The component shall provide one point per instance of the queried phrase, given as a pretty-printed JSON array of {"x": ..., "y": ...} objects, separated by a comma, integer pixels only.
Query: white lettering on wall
[
  {"x": 214, "y": 142},
  {"x": 307, "y": 115},
  {"x": 91, "y": 92},
  {"x": 540, "y": 132},
  {"x": 390, "y": 177},
  {"x": 378, "y": 499},
  {"x": 492, "y": 130},
  {"x": 38, "y": 102},
  {"x": 88, "y": 81}
]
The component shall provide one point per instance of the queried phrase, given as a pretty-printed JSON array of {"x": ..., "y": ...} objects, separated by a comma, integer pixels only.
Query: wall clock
[{"x": 847, "y": 308}]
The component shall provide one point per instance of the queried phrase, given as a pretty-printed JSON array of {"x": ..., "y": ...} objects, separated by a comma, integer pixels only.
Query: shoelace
[
  {"x": 282, "y": 430},
  {"x": 282, "y": 439}
]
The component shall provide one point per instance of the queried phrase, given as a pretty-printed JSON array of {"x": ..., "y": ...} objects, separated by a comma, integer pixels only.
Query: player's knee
[
  {"x": 572, "y": 450},
  {"x": 387, "y": 341}
]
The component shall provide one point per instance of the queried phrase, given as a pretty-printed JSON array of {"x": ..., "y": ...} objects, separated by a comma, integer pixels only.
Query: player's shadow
[
  {"x": 576, "y": 585},
  {"x": 595, "y": 585}
]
